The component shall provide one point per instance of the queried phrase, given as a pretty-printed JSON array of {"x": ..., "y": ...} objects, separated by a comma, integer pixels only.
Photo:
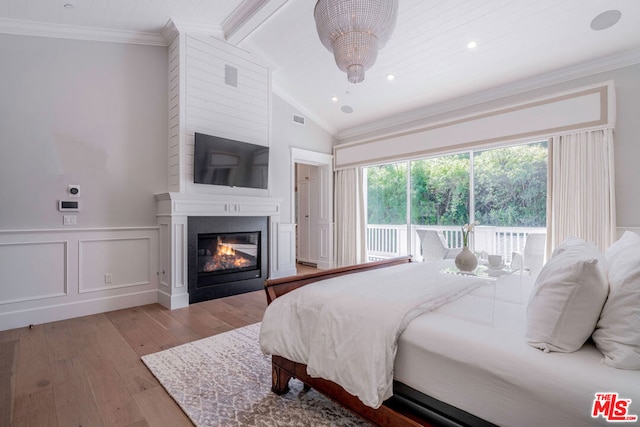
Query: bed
[{"x": 465, "y": 362}]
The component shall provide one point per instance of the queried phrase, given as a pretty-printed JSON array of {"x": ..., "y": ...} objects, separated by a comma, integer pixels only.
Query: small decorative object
[
  {"x": 466, "y": 260},
  {"x": 495, "y": 261}
]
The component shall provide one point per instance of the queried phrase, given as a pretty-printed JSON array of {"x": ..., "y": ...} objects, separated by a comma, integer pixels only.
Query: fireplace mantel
[
  {"x": 185, "y": 204},
  {"x": 173, "y": 211}
]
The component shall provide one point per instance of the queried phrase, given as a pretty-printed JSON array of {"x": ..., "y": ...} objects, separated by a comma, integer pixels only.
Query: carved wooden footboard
[
  {"x": 277, "y": 287},
  {"x": 283, "y": 369}
]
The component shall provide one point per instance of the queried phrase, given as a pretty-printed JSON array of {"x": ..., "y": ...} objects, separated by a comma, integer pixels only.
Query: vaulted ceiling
[{"x": 517, "y": 41}]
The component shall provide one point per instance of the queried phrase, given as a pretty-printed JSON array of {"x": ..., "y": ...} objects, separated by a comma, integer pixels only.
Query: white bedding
[
  {"x": 346, "y": 329},
  {"x": 472, "y": 354}
]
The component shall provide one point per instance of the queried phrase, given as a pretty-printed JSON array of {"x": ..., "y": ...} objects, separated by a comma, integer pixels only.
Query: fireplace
[
  {"x": 227, "y": 256},
  {"x": 224, "y": 254}
]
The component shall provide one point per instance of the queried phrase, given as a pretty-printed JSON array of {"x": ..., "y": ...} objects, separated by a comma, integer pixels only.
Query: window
[
  {"x": 387, "y": 194},
  {"x": 504, "y": 189},
  {"x": 440, "y": 190},
  {"x": 387, "y": 210},
  {"x": 510, "y": 186},
  {"x": 440, "y": 196}
]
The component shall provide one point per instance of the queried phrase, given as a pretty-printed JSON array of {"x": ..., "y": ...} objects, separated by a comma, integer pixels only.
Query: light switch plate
[{"x": 69, "y": 219}]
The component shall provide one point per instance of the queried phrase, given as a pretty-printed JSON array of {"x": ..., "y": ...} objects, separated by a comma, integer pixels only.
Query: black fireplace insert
[
  {"x": 228, "y": 253},
  {"x": 226, "y": 256}
]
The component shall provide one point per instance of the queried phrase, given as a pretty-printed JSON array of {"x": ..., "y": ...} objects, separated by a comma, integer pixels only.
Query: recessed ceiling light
[
  {"x": 390, "y": 77},
  {"x": 68, "y": 6},
  {"x": 606, "y": 20},
  {"x": 346, "y": 109},
  {"x": 472, "y": 44},
  {"x": 334, "y": 98}
]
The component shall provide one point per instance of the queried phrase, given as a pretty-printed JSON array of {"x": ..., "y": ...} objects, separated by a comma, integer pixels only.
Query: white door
[
  {"x": 303, "y": 222},
  {"x": 308, "y": 213}
]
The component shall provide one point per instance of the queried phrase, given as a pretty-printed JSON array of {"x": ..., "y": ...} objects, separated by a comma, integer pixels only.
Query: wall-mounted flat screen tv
[{"x": 221, "y": 161}]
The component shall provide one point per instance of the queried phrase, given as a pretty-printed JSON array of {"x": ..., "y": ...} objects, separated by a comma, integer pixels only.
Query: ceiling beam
[{"x": 248, "y": 17}]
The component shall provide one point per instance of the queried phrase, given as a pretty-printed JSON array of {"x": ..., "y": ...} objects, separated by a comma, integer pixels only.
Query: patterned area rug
[{"x": 225, "y": 380}]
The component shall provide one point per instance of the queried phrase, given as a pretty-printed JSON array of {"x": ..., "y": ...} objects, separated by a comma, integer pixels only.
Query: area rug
[{"x": 225, "y": 380}]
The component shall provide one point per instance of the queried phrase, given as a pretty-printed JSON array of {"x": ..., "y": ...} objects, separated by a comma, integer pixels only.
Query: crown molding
[
  {"x": 42, "y": 29},
  {"x": 190, "y": 28},
  {"x": 416, "y": 117},
  {"x": 170, "y": 32}
]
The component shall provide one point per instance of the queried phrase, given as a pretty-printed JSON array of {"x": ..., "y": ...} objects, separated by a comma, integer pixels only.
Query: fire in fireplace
[
  {"x": 226, "y": 256},
  {"x": 229, "y": 252}
]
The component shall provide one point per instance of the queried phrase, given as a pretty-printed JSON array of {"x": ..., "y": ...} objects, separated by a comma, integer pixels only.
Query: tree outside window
[
  {"x": 511, "y": 186},
  {"x": 440, "y": 190}
]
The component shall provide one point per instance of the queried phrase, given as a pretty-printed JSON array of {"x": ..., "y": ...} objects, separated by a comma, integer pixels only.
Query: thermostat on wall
[{"x": 68, "y": 205}]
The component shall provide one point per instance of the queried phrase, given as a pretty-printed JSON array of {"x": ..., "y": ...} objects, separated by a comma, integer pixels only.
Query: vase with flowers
[{"x": 466, "y": 260}]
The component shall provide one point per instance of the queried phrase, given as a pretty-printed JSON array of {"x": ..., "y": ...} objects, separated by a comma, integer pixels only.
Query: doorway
[
  {"x": 307, "y": 201},
  {"x": 312, "y": 210}
]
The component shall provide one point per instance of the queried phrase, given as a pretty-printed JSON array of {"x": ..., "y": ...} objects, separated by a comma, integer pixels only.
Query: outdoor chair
[
  {"x": 434, "y": 246},
  {"x": 531, "y": 259}
]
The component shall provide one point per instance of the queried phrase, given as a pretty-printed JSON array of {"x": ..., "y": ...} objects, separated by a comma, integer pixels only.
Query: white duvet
[{"x": 346, "y": 329}]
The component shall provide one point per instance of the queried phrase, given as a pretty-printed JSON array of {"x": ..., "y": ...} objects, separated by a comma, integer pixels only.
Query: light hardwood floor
[
  {"x": 305, "y": 269},
  {"x": 87, "y": 371}
]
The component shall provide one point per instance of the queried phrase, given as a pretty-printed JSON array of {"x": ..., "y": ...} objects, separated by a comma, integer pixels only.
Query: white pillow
[
  {"x": 617, "y": 335},
  {"x": 567, "y": 298}
]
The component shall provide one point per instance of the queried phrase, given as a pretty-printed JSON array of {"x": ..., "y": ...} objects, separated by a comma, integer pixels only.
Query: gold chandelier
[{"x": 354, "y": 30}]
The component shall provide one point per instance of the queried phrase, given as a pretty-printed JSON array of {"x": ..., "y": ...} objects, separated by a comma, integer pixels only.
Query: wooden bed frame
[{"x": 283, "y": 370}]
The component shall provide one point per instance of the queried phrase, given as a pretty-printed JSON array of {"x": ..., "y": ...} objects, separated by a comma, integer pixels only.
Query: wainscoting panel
[
  {"x": 55, "y": 274},
  {"x": 32, "y": 270},
  {"x": 285, "y": 262},
  {"x": 114, "y": 263},
  {"x": 165, "y": 256},
  {"x": 179, "y": 243},
  {"x": 325, "y": 234}
]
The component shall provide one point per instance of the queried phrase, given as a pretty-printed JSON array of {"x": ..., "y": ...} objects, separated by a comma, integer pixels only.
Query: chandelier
[{"x": 354, "y": 30}]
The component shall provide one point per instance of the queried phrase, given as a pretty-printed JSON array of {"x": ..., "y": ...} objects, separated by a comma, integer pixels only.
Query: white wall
[
  {"x": 92, "y": 114},
  {"x": 86, "y": 113},
  {"x": 287, "y": 134},
  {"x": 201, "y": 101}
]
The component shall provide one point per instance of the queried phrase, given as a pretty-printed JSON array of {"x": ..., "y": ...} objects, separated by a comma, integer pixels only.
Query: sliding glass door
[
  {"x": 440, "y": 197},
  {"x": 504, "y": 189},
  {"x": 510, "y": 196},
  {"x": 386, "y": 210}
]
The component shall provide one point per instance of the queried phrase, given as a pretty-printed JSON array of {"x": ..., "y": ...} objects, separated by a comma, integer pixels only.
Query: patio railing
[{"x": 388, "y": 241}]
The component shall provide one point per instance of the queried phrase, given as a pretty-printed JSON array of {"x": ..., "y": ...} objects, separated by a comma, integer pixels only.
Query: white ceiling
[{"x": 517, "y": 41}]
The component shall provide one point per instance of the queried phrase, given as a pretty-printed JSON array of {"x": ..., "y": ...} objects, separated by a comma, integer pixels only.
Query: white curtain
[
  {"x": 350, "y": 217},
  {"x": 581, "y": 186}
]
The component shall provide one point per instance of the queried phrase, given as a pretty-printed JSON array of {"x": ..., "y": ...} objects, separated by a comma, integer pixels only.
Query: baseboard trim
[
  {"x": 323, "y": 265},
  {"x": 55, "y": 312},
  {"x": 173, "y": 302}
]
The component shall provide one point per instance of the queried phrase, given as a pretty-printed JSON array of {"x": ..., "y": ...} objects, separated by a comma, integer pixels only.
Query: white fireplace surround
[{"x": 173, "y": 212}]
